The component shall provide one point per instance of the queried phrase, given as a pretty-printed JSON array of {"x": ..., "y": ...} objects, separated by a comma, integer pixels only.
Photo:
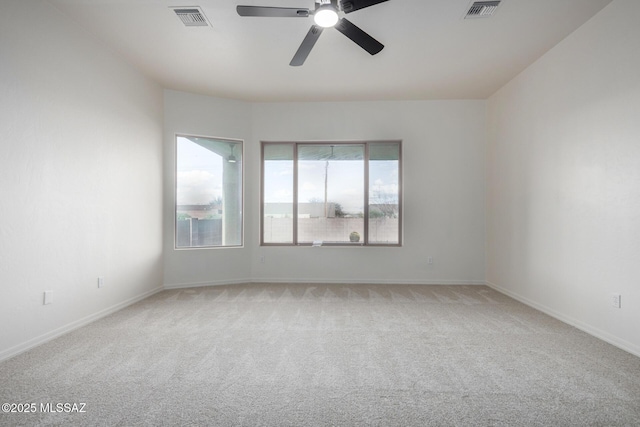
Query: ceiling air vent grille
[
  {"x": 191, "y": 16},
  {"x": 482, "y": 9}
]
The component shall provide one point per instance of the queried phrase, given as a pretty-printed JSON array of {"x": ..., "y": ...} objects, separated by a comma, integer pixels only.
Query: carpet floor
[{"x": 324, "y": 355}]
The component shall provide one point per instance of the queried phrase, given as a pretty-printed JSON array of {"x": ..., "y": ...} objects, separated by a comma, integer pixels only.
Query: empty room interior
[{"x": 220, "y": 212}]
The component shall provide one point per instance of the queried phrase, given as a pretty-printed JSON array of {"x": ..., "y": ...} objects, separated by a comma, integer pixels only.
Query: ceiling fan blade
[
  {"x": 359, "y": 37},
  {"x": 349, "y": 6},
  {"x": 273, "y": 12},
  {"x": 307, "y": 44}
]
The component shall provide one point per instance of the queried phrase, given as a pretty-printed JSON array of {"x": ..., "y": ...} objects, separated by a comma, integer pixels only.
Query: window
[
  {"x": 208, "y": 192},
  {"x": 333, "y": 193}
]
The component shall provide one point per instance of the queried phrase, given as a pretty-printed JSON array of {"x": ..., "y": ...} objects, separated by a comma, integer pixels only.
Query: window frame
[
  {"x": 365, "y": 241},
  {"x": 175, "y": 192}
]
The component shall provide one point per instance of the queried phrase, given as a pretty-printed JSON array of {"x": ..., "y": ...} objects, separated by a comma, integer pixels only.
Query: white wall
[
  {"x": 191, "y": 114},
  {"x": 443, "y": 150},
  {"x": 443, "y": 143},
  {"x": 563, "y": 228},
  {"x": 80, "y": 177}
]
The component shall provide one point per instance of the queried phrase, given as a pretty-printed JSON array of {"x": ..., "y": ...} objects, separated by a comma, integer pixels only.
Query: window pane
[
  {"x": 316, "y": 192},
  {"x": 208, "y": 192},
  {"x": 384, "y": 193},
  {"x": 277, "y": 225},
  {"x": 330, "y": 192}
]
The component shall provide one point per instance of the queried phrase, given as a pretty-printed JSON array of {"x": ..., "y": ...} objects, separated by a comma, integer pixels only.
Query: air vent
[
  {"x": 191, "y": 16},
  {"x": 482, "y": 9}
]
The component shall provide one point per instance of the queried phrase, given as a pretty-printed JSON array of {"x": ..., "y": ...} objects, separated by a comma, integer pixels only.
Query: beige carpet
[{"x": 325, "y": 355}]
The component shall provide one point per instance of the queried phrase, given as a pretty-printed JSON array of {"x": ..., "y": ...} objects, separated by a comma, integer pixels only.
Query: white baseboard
[
  {"x": 368, "y": 281},
  {"x": 604, "y": 336},
  {"x": 34, "y": 342},
  {"x": 323, "y": 281},
  {"x": 20, "y": 348},
  {"x": 205, "y": 284}
]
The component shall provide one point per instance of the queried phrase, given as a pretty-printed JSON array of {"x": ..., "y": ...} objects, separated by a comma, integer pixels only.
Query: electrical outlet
[
  {"x": 430, "y": 260},
  {"x": 616, "y": 300},
  {"x": 262, "y": 259},
  {"x": 48, "y": 297},
  {"x": 100, "y": 282}
]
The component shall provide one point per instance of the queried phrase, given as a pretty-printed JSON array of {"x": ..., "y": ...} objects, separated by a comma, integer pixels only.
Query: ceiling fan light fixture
[{"x": 326, "y": 16}]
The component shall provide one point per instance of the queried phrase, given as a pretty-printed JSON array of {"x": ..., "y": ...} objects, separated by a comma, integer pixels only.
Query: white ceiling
[{"x": 430, "y": 52}]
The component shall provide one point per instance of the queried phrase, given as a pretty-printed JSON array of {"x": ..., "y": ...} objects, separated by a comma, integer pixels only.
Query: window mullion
[
  {"x": 400, "y": 192},
  {"x": 262, "y": 185},
  {"x": 295, "y": 193},
  {"x": 366, "y": 193}
]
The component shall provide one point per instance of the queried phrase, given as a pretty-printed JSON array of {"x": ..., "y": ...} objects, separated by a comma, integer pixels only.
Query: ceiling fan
[{"x": 325, "y": 15}]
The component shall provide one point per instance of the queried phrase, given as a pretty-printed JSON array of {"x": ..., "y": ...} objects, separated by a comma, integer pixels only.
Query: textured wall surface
[
  {"x": 80, "y": 177},
  {"x": 563, "y": 207},
  {"x": 190, "y": 114},
  {"x": 443, "y": 146}
]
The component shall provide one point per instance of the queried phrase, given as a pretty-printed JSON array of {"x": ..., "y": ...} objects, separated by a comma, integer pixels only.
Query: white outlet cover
[
  {"x": 616, "y": 300},
  {"x": 48, "y": 297}
]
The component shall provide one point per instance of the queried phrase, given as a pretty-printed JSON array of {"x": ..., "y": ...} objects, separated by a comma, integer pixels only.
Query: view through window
[
  {"x": 208, "y": 192},
  {"x": 331, "y": 193}
]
